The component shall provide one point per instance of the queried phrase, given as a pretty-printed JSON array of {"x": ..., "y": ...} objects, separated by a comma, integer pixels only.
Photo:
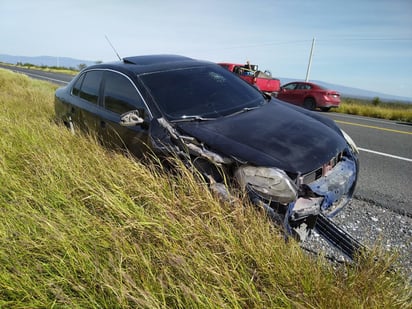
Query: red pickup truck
[{"x": 251, "y": 74}]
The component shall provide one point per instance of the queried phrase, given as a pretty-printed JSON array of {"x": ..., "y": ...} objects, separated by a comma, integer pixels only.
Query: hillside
[{"x": 46, "y": 61}]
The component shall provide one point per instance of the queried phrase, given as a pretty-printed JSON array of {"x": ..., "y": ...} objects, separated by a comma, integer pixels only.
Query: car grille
[{"x": 321, "y": 171}]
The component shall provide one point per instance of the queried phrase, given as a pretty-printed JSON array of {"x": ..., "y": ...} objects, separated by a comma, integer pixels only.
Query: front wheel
[{"x": 309, "y": 103}]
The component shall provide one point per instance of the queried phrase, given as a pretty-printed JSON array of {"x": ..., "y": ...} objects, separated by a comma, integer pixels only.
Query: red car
[
  {"x": 251, "y": 74},
  {"x": 309, "y": 95}
]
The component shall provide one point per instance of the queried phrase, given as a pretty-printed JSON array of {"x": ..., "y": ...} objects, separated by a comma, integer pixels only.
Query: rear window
[
  {"x": 77, "y": 86},
  {"x": 206, "y": 91}
]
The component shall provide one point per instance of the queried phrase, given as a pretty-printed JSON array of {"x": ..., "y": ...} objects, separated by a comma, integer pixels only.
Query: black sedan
[{"x": 294, "y": 163}]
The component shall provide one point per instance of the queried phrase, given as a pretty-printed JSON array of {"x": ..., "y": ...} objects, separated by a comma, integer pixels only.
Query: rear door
[{"x": 86, "y": 107}]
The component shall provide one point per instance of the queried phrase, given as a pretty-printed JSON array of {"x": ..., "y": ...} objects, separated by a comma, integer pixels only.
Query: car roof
[{"x": 151, "y": 63}]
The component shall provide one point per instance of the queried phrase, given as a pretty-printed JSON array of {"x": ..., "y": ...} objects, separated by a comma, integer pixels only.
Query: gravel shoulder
[{"x": 371, "y": 225}]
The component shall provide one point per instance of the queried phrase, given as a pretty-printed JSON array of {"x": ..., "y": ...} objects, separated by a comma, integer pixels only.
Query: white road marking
[{"x": 385, "y": 154}]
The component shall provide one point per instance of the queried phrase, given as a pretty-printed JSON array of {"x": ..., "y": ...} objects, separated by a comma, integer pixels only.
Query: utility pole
[{"x": 310, "y": 60}]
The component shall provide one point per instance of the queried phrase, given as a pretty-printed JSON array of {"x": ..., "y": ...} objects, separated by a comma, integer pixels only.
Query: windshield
[{"x": 200, "y": 92}]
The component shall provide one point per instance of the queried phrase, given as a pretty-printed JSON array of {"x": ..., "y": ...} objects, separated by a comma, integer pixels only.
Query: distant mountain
[
  {"x": 355, "y": 93},
  {"x": 46, "y": 61}
]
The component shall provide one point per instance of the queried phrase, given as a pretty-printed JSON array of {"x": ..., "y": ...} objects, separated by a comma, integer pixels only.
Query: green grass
[
  {"x": 376, "y": 109},
  {"x": 85, "y": 227}
]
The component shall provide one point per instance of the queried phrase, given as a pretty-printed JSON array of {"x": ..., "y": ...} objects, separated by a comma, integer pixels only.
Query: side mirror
[{"x": 130, "y": 119}]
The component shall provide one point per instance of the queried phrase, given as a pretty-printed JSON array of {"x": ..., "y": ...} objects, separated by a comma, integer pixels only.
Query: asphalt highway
[
  {"x": 385, "y": 153},
  {"x": 57, "y": 78}
]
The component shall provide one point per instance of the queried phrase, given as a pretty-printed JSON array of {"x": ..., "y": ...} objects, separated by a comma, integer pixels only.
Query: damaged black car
[{"x": 297, "y": 165}]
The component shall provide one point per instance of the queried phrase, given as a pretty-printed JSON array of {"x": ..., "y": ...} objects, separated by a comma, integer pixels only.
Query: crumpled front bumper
[
  {"x": 326, "y": 195},
  {"x": 332, "y": 192},
  {"x": 336, "y": 187}
]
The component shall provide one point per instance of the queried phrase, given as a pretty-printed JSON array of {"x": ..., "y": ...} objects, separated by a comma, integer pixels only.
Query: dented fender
[{"x": 190, "y": 144}]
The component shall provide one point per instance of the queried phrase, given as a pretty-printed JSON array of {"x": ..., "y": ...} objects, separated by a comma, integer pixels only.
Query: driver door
[{"x": 119, "y": 96}]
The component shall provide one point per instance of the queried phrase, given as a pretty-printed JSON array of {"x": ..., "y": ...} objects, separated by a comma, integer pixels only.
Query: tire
[
  {"x": 325, "y": 109},
  {"x": 309, "y": 103}
]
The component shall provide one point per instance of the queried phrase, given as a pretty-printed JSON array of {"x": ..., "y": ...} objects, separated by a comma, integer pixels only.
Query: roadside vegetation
[
  {"x": 376, "y": 108},
  {"x": 54, "y": 69},
  {"x": 85, "y": 227}
]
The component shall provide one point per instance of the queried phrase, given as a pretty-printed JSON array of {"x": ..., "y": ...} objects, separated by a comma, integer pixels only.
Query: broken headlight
[{"x": 269, "y": 182}]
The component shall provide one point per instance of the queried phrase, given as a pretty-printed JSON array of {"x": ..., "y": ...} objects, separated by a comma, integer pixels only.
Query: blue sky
[{"x": 365, "y": 44}]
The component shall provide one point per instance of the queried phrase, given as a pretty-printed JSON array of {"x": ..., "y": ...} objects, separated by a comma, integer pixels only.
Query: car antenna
[{"x": 113, "y": 47}]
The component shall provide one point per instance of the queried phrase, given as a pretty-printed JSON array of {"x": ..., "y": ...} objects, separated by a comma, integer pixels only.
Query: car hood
[{"x": 272, "y": 135}]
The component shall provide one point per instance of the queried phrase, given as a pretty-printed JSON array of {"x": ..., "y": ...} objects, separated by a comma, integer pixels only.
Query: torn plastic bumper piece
[
  {"x": 337, "y": 237},
  {"x": 301, "y": 216},
  {"x": 301, "y": 221},
  {"x": 305, "y": 207},
  {"x": 298, "y": 218}
]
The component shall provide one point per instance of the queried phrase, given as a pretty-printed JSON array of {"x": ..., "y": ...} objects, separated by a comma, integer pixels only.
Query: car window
[
  {"x": 205, "y": 91},
  {"x": 90, "y": 87},
  {"x": 290, "y": 86},
  {"x": 120, "y": 95},
  {"x": 77, "y": 86}
]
